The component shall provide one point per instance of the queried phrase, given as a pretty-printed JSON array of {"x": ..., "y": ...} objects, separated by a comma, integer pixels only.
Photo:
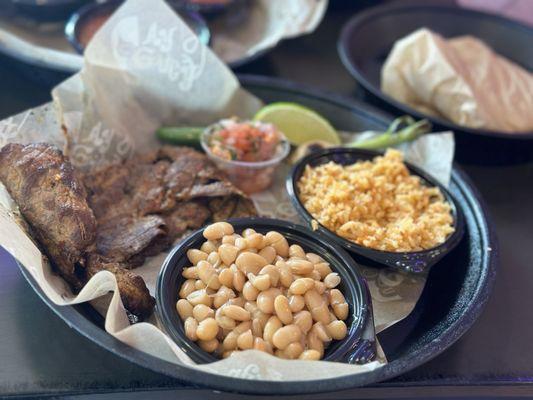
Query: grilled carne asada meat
[
  {"x": 53, "y": 200},
  {"x": 115, "y": 217},
  {"x": 130, "y": 240},
  {"x": 133, "y": 291},
  {"x": 174, "y": 183},
  {"x": 189, "y": 215}
]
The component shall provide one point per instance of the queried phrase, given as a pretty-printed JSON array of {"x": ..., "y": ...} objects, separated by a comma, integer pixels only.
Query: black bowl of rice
[{"x": 377, "y": 206}]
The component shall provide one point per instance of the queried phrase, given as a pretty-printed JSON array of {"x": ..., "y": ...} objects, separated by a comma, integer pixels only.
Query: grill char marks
[
  {"x": 130, "y": 240},
  {"x": 53, "y": 200},
  {"x": 133, "y": 291}
]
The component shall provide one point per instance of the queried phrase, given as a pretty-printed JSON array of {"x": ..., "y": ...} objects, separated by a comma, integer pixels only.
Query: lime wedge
[{"x": 298, "y": 123}]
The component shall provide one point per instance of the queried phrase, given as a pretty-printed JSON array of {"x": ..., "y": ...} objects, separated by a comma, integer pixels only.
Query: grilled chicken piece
[{"x": 52, "y": 199}]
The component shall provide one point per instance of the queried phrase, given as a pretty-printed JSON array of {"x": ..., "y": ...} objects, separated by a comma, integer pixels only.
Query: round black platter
[
  {"x": 368, "y": 37},
  {"x": 455, "y": 293}
]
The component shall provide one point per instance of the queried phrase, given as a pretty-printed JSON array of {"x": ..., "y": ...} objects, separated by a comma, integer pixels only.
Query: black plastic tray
[
  {"x": 51, "y": 10},
  {"x": 368, "y": 37},
  {"x": 453, "y": 298}
]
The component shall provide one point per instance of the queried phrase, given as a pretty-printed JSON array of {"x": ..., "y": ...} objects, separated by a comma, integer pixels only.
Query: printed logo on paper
[
  {"x": 8, "y": 130},
  {"x": 174, "y": 52},
  {"x": 102, "y": 145},
  {"x": 253, "y": 371}
]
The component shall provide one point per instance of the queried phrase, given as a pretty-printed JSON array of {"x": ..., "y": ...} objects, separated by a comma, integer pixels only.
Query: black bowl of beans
[{"x": 268, "y": 285}]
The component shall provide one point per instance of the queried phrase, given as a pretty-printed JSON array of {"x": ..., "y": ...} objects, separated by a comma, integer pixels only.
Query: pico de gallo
[{"x": 246, "y": 141}]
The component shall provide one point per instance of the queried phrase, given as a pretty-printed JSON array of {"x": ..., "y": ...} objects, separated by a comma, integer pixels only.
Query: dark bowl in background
[
  {"x": 353, "y": 286},
  {"x": 368, "y": 37},
  {"x": 207, "y": 9},
  {"x": 82, "y": 16},
  {"x": 413, "y": 262},
  {"x": 49, "y": 10}
]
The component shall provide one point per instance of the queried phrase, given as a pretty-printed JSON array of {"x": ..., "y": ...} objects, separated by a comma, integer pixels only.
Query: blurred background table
[{"x": 40, "y": 355}]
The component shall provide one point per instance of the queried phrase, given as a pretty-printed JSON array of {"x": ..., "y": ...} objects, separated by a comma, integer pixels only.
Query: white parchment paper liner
[{"x": 143, "y": 70}]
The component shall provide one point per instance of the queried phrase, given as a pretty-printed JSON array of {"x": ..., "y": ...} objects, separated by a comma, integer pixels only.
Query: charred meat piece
[
  {"x": 130, "y": 240},
  {"x": 214, "y": 189},
  {"x": 244, "y": 208},
  {"x": 51, "y": 198},
  {"x": 189, "y": 215},
  {"x": 223, "y": 208},
  {"x": 106, "y": 191},
  {"x": 146, "y": 186},
  {"x": 157, "y": 183},
  {"x": 191, "y": 175},
  {"x": 182, "y": 172},
  {"x": 133, "y": 291}
]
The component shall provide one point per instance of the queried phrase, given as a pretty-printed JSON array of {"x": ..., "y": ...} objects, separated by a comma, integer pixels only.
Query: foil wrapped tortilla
[{"x": 460, "y": 79}]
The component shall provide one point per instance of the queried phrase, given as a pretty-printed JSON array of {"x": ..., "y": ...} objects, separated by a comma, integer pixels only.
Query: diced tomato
[{"x": 245, "y": 141}]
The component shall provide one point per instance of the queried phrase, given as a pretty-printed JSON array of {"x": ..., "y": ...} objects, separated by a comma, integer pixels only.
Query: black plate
[
  {"x": 368, "y": 37},
  {"x": 455, "y": 293},
  {"x": 418, "y": 262},
  {"x": 208, "y": 9},
  {"x": 49, "y": 10},
  {"x": 359, "y": 344}
]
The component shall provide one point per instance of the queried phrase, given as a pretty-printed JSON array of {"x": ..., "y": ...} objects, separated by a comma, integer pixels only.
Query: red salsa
[{"x": 244, "y": 141}]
